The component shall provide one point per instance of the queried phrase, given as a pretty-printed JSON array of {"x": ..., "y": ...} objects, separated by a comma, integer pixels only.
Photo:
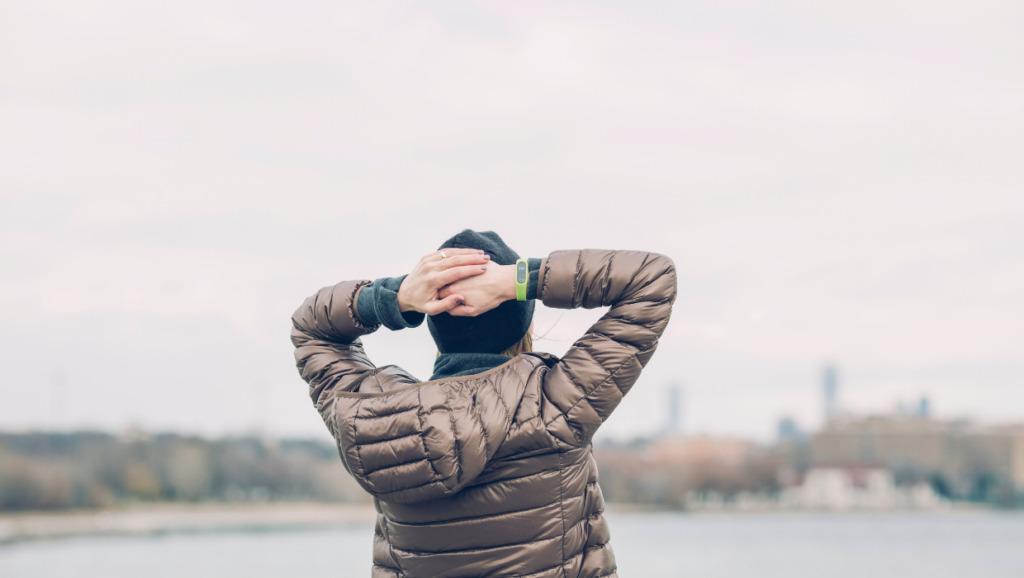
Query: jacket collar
[{"x": 460, "y": 364}]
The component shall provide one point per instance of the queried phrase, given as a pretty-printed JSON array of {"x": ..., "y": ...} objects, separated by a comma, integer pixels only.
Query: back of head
[{"x": 494, "y": 331}]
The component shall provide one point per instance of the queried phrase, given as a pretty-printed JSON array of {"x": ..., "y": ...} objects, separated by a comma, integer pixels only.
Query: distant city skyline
[{"x": 836, "y": 183}]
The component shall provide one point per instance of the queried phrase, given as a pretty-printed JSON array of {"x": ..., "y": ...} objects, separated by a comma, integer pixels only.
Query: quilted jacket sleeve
[
  {"x": 325, "y": 333},
  {"x": 401, "y": 440},
  {"x": 587, "y": 384}
]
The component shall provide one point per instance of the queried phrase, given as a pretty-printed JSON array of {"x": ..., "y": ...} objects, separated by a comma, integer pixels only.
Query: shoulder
[
  {"x": 385, "y": 379},
  {"x": 526, "y": 366},
  {"x": 540, "y": 358}
]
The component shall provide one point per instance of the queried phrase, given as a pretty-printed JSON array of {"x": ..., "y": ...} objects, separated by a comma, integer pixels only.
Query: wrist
[
  {"x": 508, "y": 286},
  {"x": 403, "y": 299}
]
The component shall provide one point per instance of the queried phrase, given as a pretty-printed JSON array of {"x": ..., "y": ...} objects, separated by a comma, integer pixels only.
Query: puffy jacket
[{"x": 489, "y": 474}]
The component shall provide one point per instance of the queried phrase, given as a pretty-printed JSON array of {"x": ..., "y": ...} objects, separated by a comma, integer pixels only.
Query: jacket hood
[{"x": 427, "y": 441}]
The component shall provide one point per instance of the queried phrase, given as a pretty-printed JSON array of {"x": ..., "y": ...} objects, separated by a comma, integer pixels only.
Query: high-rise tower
[
  {"x": 674, "y": 421},
  {"x": 830, "y": 391}
]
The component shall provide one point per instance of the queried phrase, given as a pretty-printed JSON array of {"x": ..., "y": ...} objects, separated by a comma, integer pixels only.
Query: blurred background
[{"x": 840, "y": 185}]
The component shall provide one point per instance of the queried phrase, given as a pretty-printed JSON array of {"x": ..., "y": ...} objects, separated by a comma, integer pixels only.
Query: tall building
[
  {"x": 830, "y": 391},
  {"x": 788, "y": 431},
  {"x": 674, "y": 419},
  {"x": 924, "y": 407}
]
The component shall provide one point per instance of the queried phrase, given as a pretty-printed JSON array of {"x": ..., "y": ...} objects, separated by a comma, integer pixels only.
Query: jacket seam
[
  {"x": 483, "y": 428},
  {"x": 636, "y": 351},
  {"x": 416, "y": 461},
  {"x": 423, "y": 439},
  {"x": 327, "y": 313},
  {"x": 508, "y": 413},
  {"x": 333, "y": 425},
  {"x": 445, "y": 493},
  {"x": 653, "y": 345},
  {"x": 355, "y": 434},
  {"x": 634, "y": 322},
  {"x": 580, "y": 400},
  {"x": 533, "y": 475},
  {"x": 576, "y": 278},
  {"x": 542, "y": 570},
  {"x": 474, "y": 518},
  {"x": 561, "y": 507},
  {"x": 607, "y": 282},
  {"x": 632, "y": 292},
  {"x": 391, "y": 549},
  {"x": 381, "y": 416},
  {"x": 586, "y": 349},
  {"x": 455, "y": 438},
  {"x": 368, "y": 444},
  {"x": 471, "y": 550},
  {"x": 526, "y": 454}
]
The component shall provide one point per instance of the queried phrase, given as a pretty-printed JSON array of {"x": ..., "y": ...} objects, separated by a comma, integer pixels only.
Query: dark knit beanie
[{"x": 493, "y": 331}]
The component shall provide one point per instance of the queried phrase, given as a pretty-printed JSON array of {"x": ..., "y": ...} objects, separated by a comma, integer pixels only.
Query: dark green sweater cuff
[
  {"x": 378, "y": 304},
  {"x": 531, "y": 287}
]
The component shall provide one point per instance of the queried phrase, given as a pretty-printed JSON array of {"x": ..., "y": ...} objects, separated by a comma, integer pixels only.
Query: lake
[{"x": 947, "y": 545}]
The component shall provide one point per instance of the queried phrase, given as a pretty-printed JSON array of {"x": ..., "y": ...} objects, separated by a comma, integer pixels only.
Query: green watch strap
[{"x": 522, "y": 278}]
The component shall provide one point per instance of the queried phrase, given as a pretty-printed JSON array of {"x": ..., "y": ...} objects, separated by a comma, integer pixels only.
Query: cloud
[{"x": 834, "y": 181}]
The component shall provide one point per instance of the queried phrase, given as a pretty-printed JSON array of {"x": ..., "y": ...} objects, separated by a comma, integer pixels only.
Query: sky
[{"x": 836, "y": 182}]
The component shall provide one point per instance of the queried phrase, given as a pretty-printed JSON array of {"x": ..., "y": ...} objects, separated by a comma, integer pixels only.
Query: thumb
[{"x": 441, "y": 305}]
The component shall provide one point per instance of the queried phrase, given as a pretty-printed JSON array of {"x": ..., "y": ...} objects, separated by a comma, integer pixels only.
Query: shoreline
[
  {"x": 171, "y": 518},
  {"x": 151, "y": 519}
]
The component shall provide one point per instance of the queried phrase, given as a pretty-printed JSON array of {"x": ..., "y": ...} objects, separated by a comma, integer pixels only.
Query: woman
[{"x": 486, "y": 469}]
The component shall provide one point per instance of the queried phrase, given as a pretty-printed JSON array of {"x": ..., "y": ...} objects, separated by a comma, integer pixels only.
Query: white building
[{"x": 842, "y": 489}]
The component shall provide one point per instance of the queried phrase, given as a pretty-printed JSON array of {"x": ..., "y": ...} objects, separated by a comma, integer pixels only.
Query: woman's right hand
[
  {"x": 419, "y": 290},
  {"x": 482, "y": 293}
]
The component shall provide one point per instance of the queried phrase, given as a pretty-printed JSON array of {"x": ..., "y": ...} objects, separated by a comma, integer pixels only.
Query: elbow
[
  {"x": 663, "y": 264},
  {"x": 661, "y": 281},
  {"x": 302, "y": 320}
]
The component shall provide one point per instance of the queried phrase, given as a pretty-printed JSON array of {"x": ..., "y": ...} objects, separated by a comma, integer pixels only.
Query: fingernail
[
  {"x": 479, "y": 251},
  {"x": 487, "y": 257},
  {"x": 483, "y": 267}
]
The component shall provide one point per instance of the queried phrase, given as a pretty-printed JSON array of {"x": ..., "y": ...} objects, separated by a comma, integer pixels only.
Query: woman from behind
[{"x": 486, "y": 469}]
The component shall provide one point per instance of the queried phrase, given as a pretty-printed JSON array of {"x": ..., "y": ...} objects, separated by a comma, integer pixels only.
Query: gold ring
[{"x": 443, "y": 256}]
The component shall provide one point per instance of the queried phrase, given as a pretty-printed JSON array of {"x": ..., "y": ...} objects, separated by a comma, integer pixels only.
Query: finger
[
  {"x": 442, "y": 305},
  {"x": 453, "y": 288},
  {"x": 452, "y": 275},
  {"x": 453, "y": 252},
  {"x": 462, "y": 260},
  {"x": 463, "y": 311},
  {"x": 436, "y": 255}
]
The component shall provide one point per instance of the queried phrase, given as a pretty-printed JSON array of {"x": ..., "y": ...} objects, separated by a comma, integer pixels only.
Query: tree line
[{"x": 45, "y": 471}]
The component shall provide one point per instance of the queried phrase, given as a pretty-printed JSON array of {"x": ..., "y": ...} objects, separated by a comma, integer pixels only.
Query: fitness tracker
[{"x": 522, "y": 278}]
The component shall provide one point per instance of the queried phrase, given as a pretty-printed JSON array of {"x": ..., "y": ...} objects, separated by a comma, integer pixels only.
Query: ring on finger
[{"x": 443, "y": 257}]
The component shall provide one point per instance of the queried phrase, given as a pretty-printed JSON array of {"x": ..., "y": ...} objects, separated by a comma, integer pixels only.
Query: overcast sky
[{"x": 835, "y": 181}]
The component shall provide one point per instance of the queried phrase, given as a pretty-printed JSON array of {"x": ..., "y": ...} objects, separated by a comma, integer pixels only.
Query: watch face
[{"x": 521, "y": 273}]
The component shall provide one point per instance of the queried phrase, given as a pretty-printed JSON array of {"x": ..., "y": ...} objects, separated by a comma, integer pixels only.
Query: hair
[{"x": 524, "y": 345}]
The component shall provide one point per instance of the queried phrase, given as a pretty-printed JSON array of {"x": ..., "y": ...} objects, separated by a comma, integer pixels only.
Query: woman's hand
[
  {"x": 481, "y": 293},
  {"x": 419, "y": 291}
]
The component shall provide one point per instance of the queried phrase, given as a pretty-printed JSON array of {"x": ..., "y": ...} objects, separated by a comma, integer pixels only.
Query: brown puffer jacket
[{"x": 489, "y": 474}]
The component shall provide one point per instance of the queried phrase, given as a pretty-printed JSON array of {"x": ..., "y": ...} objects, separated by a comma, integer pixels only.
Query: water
[{"x": 663, "y": 545}]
